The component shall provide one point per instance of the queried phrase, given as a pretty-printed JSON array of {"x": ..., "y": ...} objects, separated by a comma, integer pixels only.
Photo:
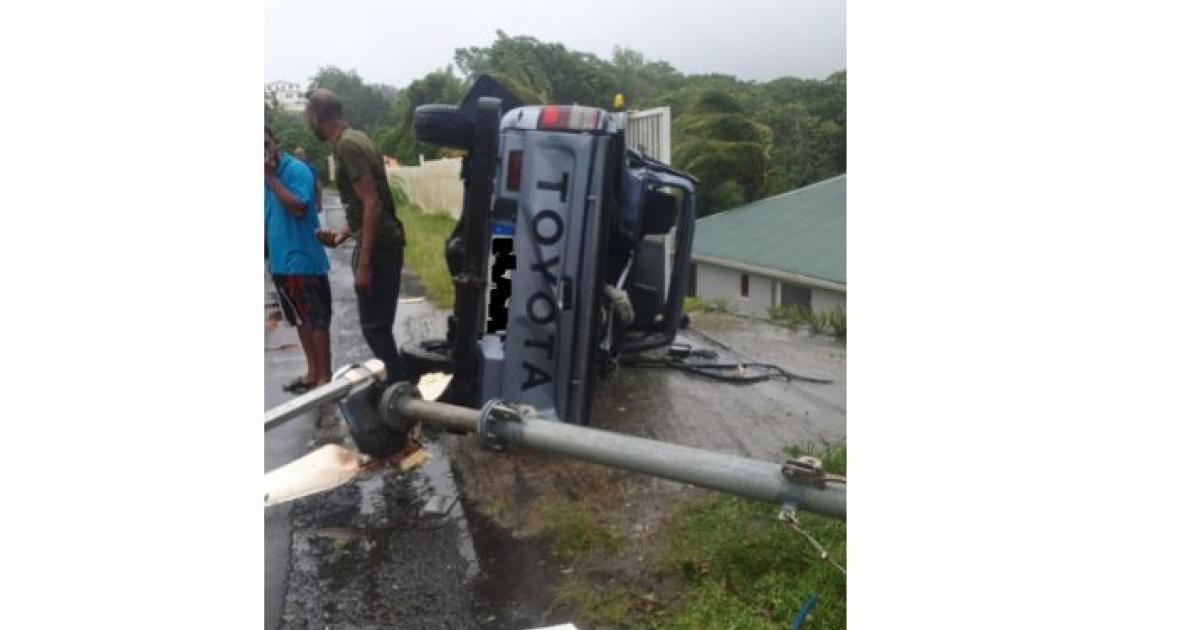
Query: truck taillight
[
  {"x": 512, "y": 180},
  {"x": 569, "y": 118}
]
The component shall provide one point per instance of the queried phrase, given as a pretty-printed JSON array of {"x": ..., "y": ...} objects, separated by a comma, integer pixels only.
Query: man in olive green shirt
[{"x": 371, "y": 220}]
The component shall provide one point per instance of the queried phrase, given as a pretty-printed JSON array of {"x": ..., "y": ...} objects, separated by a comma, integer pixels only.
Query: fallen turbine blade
[{"x": 323, "y": 469}]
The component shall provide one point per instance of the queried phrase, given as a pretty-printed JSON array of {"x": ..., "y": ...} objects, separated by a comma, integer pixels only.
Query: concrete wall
[
  {"x": 713, "y": 282},
  {"x": 434, "y": 185}
]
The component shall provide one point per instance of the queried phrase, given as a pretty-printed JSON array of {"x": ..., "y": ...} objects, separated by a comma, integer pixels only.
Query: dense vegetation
[{"x": 744, "y": 139}]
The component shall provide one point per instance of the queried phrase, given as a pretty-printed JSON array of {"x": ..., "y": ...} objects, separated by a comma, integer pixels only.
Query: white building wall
[
  {"x": 825, "y": 300},
  {"x": 762, "y": 296},
  {"x": 713, "y": 282},
  {"x": 287, "y": 94}
]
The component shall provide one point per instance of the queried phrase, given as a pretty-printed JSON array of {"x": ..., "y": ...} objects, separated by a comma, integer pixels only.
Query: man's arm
[
  {"x": 289, "y": 201},
  {"x": 329, "y": 238},
  {"x": 293, "y": 187},
  {"x": 320, "y": 194},
  {"x": 364, "y": 187}
]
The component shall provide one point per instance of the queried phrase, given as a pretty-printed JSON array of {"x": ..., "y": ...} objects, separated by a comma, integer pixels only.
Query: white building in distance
[
  {"x": 287, "y": 94},
  {"x": 786, "y": 250}
]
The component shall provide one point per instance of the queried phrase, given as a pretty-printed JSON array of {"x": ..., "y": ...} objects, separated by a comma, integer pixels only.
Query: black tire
[
  {"x": 378, "y": 440},
  {"x": 443, "y": 126},
  {"x": 368, "y": 430},
  {"x": 424, "y": 358}
]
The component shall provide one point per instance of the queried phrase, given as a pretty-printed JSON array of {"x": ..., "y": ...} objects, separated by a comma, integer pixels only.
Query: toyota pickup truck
[{"x": 572, "y": 249}]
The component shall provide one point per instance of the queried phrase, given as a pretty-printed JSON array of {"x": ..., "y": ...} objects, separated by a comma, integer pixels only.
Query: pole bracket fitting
[
  {"x": 493, "y": 411},
  {"x": 805, "y": 471},
  {"x": 356, "y": 373}
]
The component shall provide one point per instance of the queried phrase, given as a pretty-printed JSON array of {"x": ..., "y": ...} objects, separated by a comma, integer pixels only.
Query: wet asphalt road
[{"x": 362, "y": 556}]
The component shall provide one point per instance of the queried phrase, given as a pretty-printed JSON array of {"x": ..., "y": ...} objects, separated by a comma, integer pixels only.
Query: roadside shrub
[
  {"x": 817, "y": 322},
  {"x": 789, "y": 315},
  {"x": 777, "y": 313},
  {"x": 837, "y": 322}
]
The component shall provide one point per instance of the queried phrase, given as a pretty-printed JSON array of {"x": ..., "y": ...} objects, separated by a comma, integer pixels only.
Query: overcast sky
[{"x": 397, "y": 41}]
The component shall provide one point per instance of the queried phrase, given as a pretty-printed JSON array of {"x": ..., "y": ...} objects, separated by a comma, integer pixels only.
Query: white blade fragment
[
  {"x": 331, "y": 465},
  {"x": 433, "y": 384},
  {"x": 323, "y": 469}
]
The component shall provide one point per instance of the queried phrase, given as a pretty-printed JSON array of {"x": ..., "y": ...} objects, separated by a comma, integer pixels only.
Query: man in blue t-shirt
[
  {"x": 300, "y": 154},
  {"x": 297, "y": 260}
]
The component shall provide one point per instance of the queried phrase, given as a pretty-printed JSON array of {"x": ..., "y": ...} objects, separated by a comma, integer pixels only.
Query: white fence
[
  {"x": 649, "y": 131},
  {"x": 434, "y": 185}
]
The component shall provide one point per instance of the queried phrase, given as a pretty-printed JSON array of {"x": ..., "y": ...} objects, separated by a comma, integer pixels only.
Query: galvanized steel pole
[
  {"x": 749, "y": 478},
  {"x": 740, "y": 476},
  {"x": 342, "y": 382}
]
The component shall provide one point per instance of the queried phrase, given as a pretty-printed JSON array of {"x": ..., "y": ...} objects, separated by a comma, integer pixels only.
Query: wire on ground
[{"x": 679, "y": 355}]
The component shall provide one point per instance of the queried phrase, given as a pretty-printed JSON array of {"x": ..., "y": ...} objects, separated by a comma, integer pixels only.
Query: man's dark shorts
[{"x": 306, "y": 300}]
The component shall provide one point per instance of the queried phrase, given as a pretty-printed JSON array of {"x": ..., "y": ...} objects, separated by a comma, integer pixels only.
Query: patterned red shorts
[{"x": 306, "y": 300}]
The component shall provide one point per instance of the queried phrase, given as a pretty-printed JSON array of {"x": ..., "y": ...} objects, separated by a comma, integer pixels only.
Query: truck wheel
[
  {"x": 420, "y": 359},
  {"x": 377, "y": 440},
  {"x": 367, "y": 427},
  {"x": 442, "y": 125}
]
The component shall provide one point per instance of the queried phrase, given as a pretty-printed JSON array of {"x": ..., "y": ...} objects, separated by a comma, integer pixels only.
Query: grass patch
[
  {"x": 696, "y": 304},
  {"x": 831, "y": 321},
  {"x": 425, "y": 252},
  {"x": 574, "y": 531},
  {"x": 611, "y": 608},
  {"x": 744, "y": 569},
  {"x": 833, "y": 455}
]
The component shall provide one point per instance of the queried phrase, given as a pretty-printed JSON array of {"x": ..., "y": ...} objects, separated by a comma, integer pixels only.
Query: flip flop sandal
[{"x": 298, "y": 386}]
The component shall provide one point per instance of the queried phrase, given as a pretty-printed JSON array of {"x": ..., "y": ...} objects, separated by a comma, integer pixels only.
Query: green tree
[
  {"x": 364, "y": 106},
  {"x": 640, "y": 80},
  {"x": 805, "y": 149},
  {"x": 293, "y": 132},
  {"x": 541, "y": 72},
  {"x": 743, "y": 139},
  {"x": 397, "y": 139},
  {"x": 715, "y": 141}
]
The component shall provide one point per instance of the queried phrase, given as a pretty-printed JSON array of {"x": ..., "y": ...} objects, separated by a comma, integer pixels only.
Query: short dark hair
[{"x": 324, "y": 104}]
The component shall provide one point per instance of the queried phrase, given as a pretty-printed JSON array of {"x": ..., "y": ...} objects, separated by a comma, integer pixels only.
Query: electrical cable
[{"x": 678, "y": 355}]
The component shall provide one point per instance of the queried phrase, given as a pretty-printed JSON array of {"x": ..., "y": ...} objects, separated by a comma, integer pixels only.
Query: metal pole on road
[
  {"x": 342, "y": 382},
  {"x": 795, "y": 484},
  {"x": 744, "y": 477}
]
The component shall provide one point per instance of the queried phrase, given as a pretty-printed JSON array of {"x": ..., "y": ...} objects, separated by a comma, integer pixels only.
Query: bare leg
[
  {"x": 329, "y": 426},
  {"x": 306, "y": 342},
  {"x": 320, "y": 343}
]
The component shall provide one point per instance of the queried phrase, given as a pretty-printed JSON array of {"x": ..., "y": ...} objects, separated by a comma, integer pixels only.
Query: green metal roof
[{"x": 802, "y": 232}]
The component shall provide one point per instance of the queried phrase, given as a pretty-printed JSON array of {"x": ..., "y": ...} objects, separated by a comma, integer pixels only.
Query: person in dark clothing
[{"x": 371, "y": 219}]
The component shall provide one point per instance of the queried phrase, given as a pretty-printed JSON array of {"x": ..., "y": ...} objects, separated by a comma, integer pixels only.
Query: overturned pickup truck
[{"x": 571, "y": 250}]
